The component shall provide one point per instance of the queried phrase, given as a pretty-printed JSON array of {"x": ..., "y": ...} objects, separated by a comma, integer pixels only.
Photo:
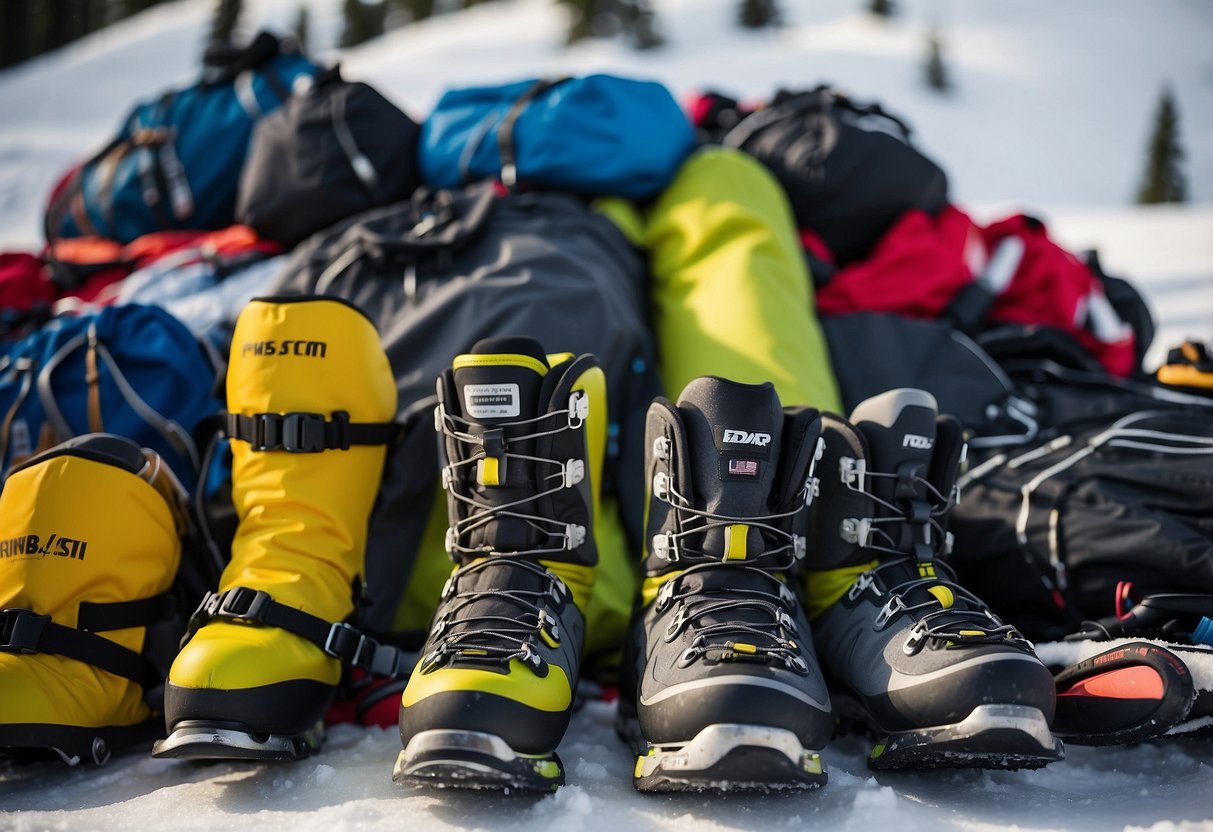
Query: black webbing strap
[
  {"x": 340, "y": 640},
  {"x": 121, "y": 615},
  {"x": 24, "y": 631},
  {"x": 505, "y": 130},
  {"x": 307, "y": 433}
]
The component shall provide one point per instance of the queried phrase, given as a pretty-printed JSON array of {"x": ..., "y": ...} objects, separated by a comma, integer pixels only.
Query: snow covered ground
[{"x": 1051, "y": 114}]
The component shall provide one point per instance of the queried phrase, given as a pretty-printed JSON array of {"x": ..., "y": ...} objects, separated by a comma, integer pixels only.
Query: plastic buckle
[
  {"x": 21, "y": 630},
  {"x": 241, "y": 603},
  {"x": 344, "y": 642},
  {"x": 303, "y": 433}
]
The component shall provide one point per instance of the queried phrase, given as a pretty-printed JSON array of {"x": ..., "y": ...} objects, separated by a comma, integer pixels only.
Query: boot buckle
[
  {"x": 579, "y": 409},
  {"x": 665, "y": 547},
  {"x": 574, "y": 536},
  {"x": 303, "y": 433},
  {"x": 857, "y": 530},
  {"x": 21, "y": 630},
  {"x": 891, "y": 608},
  {"x": 861, "y": 585},
  {"x": 240, "y": 602},
  {"x": 574, "y": 472}
]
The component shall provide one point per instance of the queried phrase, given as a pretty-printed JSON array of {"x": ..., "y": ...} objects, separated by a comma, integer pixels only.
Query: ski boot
[
  {"x": 522, "y": 443},
  {"x": 311, "y": 398},
  {"x": 916, "y": 658},
  {"x": 720, "y": 688},
  {"x": 90, "y": 542}
]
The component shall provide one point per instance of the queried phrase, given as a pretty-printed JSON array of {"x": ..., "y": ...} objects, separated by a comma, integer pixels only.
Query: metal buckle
[
  {"x": 21, "y": 630},
  {"x": 343, "y": 642}
]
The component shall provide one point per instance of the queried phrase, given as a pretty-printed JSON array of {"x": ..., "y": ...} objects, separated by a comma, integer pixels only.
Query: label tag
[{"x": 491, "y": 401}]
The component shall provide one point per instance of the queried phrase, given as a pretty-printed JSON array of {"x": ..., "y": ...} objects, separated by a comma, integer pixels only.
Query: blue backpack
[
  {"x": 594, "y": 135},
  {"x": 176, "y": 161},
  {"x": 131, "y": 370}
]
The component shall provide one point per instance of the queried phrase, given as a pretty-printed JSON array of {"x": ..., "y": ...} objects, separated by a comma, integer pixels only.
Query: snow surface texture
[{"x": 1051, "y": 114}]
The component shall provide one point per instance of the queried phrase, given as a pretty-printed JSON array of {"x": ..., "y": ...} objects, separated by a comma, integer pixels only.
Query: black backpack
[
  {"x": 1115, "y": 490},
  {"x": 324, "y": 156},
  {"x": 447, "y": 268},
  {"x": 849, "y": 169}
]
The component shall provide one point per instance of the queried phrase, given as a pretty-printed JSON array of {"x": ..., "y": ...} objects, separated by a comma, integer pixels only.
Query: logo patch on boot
[
  {"x": 913, "y": 440},
  {"x": 743, "y": 468},
  {"x": 745, "y": 437},
  {"x": 491, "y": 401}
]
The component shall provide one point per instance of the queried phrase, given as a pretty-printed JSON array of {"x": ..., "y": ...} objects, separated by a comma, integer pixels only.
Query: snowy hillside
[{"x": 1051, "y": 114}]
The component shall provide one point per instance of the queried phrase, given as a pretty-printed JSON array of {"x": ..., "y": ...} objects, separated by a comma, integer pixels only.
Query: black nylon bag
[
  {"x": 324, "y": 156},
  {"x": 877, "y": 352},
  {"x": 849, "y": 169},
  {"x": 1044, "y": 533},
  {"x": 447, "y": 268}
]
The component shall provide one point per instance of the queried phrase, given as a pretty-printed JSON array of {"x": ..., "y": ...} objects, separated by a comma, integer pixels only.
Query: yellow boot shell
[
  {"x": 302, "y": 516},
  {"x": 132, "y": 551}
]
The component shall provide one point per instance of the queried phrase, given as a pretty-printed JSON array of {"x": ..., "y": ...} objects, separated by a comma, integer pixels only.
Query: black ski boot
[
  {"x": 921, "y": 661},
  {"x": 493, "y": 693},
  {"x": 720, "y": 687}
]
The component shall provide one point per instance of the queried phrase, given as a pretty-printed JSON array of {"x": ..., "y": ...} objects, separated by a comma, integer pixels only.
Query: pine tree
[
  {"x": 936, "y": 73},
  {"x": 881, "y": 8},
  {"x": 363, "y": 21},
  {"x": 758, "y": 14},
  {"x": 581, "y": 16},
  {"x": 640, "y": 23},
  {"x": 1163, "y": 180},
  {"x": 227, "y": 17},
  {"x": 302, "y": 28}
]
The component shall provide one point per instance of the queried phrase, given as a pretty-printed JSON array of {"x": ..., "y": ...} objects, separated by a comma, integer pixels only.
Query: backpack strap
[
  {"x": 177, "y": 437},
  {"x": 505, "y": 130}
]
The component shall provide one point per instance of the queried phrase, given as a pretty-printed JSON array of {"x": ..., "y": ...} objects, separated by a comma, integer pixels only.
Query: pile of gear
[{"x": 224, "y": 525}]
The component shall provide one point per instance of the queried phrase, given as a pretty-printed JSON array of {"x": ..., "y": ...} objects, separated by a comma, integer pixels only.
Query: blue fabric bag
[
  {"x": 599, "y": 134},
  {"x": 131, "y": 370},
  {"x": 176, "y": 161}
]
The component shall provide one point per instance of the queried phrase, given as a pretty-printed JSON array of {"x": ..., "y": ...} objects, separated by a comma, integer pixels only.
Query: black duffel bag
[
  {"x": 849, "y": 169},
  {"x": 327, "y": 154}
]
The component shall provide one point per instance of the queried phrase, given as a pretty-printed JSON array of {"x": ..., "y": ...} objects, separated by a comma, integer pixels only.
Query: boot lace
[
  {"x": 551, "y": 475},
  {"x": 509, "y": 626},
  {"x": 948, "y": 614},
  {"x": 720, "y": 634},
  {"x": 676, "y": 546}
]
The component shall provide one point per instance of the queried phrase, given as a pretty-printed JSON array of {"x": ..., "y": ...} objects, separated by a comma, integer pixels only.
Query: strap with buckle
[
  {"x": 24, "y": 631},
  {"x": 341, "y": 640},
  {"x": 307, "y": 433}
]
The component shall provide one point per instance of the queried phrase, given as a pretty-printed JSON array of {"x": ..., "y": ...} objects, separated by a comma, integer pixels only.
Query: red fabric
[
  {"x": 1054, "y": 288},
  {"x": 24, "y": 283},
  {"x": 816, "y": 246},
  {"x": 915, "y": 270}
]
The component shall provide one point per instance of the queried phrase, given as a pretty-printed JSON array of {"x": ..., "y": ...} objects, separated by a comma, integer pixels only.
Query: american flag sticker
[{"x": 743, "y": 468}]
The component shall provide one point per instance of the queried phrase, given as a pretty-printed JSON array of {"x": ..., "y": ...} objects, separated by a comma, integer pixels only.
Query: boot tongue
[
  {"x": 733, "y": 437},
  {"x": 500, "y": 382},
  {"x": 899, "y": 429},
  {"x": 500, "y": 379},
  {"x": 899, "y": 426}
]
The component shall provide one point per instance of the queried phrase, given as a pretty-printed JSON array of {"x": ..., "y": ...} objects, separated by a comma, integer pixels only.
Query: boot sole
[
  {"x": 1009, "y": 737},
  {"x": 725, "y": 758},
  {"x": 451, "y": 759},
  {"x": 207, "y": 740}
]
